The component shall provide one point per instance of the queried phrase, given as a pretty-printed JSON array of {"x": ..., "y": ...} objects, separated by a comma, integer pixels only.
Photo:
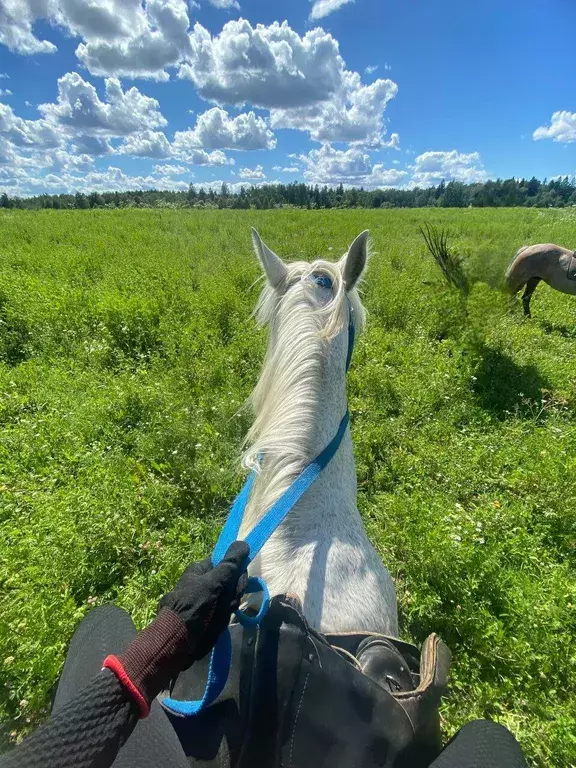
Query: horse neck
[{"x": 300, "y": 411}]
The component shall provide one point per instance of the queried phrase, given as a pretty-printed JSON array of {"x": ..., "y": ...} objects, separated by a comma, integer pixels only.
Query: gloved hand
[
  {"x": 205, "y": 597},
  {"x": 190, "y": 619}
]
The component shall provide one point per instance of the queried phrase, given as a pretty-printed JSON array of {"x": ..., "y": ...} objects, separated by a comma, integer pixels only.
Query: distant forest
[{"x": 501, "y": 193}]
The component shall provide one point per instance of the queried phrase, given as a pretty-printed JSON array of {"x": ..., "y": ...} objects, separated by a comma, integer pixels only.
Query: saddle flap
[
  {"x": 422, "y": 704},
  {"x": 435, "y": 658}
]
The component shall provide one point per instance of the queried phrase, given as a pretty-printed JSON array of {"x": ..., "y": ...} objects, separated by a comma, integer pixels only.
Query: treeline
[{"x": 501, "y": 193}]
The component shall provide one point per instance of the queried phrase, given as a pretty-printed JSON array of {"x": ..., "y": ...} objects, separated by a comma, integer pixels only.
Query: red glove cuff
[
  {"x": 114, "y": 664},
  {"x": 153, "y": 658}
]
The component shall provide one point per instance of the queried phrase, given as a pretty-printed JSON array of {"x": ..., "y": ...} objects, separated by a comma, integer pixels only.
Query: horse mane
[{"x": 286, "y": 397}]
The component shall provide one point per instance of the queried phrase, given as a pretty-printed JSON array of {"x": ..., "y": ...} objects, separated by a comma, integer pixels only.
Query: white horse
[{"x": 321, "y": 552}]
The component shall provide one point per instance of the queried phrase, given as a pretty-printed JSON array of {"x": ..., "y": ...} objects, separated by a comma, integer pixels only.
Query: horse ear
[
  {"x": 354, "y": 263},
  {"x": 272, "y": 265}
]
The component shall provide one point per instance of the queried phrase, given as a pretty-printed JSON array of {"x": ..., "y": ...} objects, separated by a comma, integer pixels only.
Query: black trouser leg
[
  {"x": 106, "y": 630},
  {"x": 481, "y": 744}
]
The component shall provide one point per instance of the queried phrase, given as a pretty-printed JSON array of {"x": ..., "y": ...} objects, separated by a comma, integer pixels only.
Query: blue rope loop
[
  {"x": 221, "y": 656},
  {"x": 255, "y": 584}
]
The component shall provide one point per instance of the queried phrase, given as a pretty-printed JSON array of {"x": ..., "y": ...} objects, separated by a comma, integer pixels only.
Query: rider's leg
[
  {"x": 103, "y": 631},
  {"x": 108, "y": 630},
  {"x": 481, "y": 744}
]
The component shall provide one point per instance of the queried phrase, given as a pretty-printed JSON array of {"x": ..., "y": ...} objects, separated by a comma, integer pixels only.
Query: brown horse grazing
[{"x": 545, "y": 261}]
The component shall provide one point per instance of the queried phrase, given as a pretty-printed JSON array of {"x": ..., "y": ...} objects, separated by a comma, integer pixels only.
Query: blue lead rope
[
  {"x": 221, "y": 657},
  {"x": 277, "y": 513}
]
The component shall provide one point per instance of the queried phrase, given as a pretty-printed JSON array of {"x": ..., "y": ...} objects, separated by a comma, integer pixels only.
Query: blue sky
[{"x": 123, "y": 94}]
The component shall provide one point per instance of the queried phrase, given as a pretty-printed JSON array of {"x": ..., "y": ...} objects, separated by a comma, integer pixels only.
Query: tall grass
[
  {"x": 450, "y": 263},
  {"x": 126, "y": 351}
]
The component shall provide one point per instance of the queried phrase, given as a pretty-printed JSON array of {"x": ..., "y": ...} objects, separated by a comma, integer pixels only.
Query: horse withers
[{"x": 551, "y": 263}]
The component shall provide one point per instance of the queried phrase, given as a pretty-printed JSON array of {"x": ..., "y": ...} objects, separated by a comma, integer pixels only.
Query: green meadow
[{"x": 127, "y": 349}]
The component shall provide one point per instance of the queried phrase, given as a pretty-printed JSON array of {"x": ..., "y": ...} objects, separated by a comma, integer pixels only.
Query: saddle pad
[{"x": 572, "y": 267}]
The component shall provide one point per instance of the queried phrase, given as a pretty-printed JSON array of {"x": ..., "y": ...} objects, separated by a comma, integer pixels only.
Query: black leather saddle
[{"x": 297, "y": 699}]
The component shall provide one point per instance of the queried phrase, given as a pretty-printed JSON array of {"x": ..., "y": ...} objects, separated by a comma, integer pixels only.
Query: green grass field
[{"x": 126, "y": 350}]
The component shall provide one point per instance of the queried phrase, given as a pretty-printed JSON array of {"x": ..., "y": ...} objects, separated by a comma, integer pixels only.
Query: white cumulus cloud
[
  {"x": 167, "y": 170},
  {"x": 215, "y": 129},
  {"x": 61, "y": 160},
  {"x": 354, "y": 114},
  {"x": 393, "y": 142},
  {"x": 302, "y": 78},
  {"x": 267, "y": 66},
  {"x": 17, "y": 18},
  {"x": 114, "y": 179},
  {"x": 131, "y": 38},
  {"x": 110, "y": 180},
  {"x": 322, "y": 8},
  {"x": 32, "y": 134},
  {"x": 79, "y": 108},
  {"x": 156, "y": 38},
  {"x": 75, "y": 131},
  {"x": 225, "y": 4},
  {"x": 122, "y": 37},
  {"x": 5, "y": 92},
  {"x": 201, "y": 157},
  {"x": 252, "y": 173},
  {"x": 352, "y": 167},
  {"x": 91, "y": 145},
  {"x": 101, "y": 19},
  {"x": 146, "y": 144},
  {"x": 562, "y": 128},
  {"x": 430, "y": 168},
  {"x": 10, "y": 157},
  {"x": 286, "y": 169}
]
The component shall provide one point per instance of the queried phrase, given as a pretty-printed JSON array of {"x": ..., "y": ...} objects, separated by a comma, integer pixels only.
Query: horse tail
[{"x": 515, "y": 281}]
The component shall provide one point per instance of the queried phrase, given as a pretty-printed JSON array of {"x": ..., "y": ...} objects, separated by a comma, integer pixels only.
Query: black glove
[
  {"x": 205, "y": 597},
  {"x": 190, "y": 619}
]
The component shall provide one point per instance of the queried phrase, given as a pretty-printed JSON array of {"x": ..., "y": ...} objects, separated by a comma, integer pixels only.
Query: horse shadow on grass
[
  {"x": 503, "y": 387},
  {"x": 560, "y": 328}
]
